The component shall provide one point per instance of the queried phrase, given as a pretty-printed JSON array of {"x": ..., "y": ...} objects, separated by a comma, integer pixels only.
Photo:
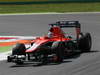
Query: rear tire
[{"x": 85, "y": 42}]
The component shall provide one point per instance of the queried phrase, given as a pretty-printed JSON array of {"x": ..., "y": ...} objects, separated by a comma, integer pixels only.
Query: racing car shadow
[
  {"x": 66, "y": 60},
  {"x": 93, "y": 51},
  {"x": 37, "y": 64}
]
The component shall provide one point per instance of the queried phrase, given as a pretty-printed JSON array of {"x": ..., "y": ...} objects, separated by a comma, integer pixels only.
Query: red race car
[{"x": 53, "y": 47}]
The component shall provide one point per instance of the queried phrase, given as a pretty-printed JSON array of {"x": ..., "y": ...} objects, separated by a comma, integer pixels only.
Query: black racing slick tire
[
  {"x": 58, "y": 47},
  {"x": 9, "y": 59},
  {"x": 19, "y": 49},
  {"x": 85, "y": 42}
]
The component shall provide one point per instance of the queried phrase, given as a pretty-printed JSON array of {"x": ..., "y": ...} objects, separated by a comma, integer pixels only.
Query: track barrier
[{"x": 42, "y": 1}]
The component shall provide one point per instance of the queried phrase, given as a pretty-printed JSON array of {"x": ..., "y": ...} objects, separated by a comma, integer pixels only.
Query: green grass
[
  {"x": 56, "y": 7},
  {"x": 20, "y": 0},
  {"x": 4, "y": 49}
]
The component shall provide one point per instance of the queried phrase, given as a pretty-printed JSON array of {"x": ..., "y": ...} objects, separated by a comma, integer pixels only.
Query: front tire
[
  {"x": 58, "y": 47},
  {"x": 9, "y": 59},
  {"x": 19, "y": 49}
]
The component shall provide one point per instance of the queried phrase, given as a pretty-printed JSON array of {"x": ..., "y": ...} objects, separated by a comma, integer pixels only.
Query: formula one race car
[{"x": 53, "y": 47}]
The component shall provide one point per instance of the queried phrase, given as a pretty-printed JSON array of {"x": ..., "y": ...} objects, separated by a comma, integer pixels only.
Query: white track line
[
  {"x": 48, "y": 13},
  {"x": 18, "y": 38}
]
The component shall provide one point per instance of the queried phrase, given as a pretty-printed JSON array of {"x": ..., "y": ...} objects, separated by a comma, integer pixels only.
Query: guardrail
[{"x": 42, "y": 1}]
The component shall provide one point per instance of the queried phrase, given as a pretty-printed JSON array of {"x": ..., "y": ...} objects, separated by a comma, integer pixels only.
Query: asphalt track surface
[{"x": 83, "y": 64}]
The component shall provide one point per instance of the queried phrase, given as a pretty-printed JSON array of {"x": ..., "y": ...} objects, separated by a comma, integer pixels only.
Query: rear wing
[
  {"x": 66, "y": 24},
  {"x": 69, "y": 24}
]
